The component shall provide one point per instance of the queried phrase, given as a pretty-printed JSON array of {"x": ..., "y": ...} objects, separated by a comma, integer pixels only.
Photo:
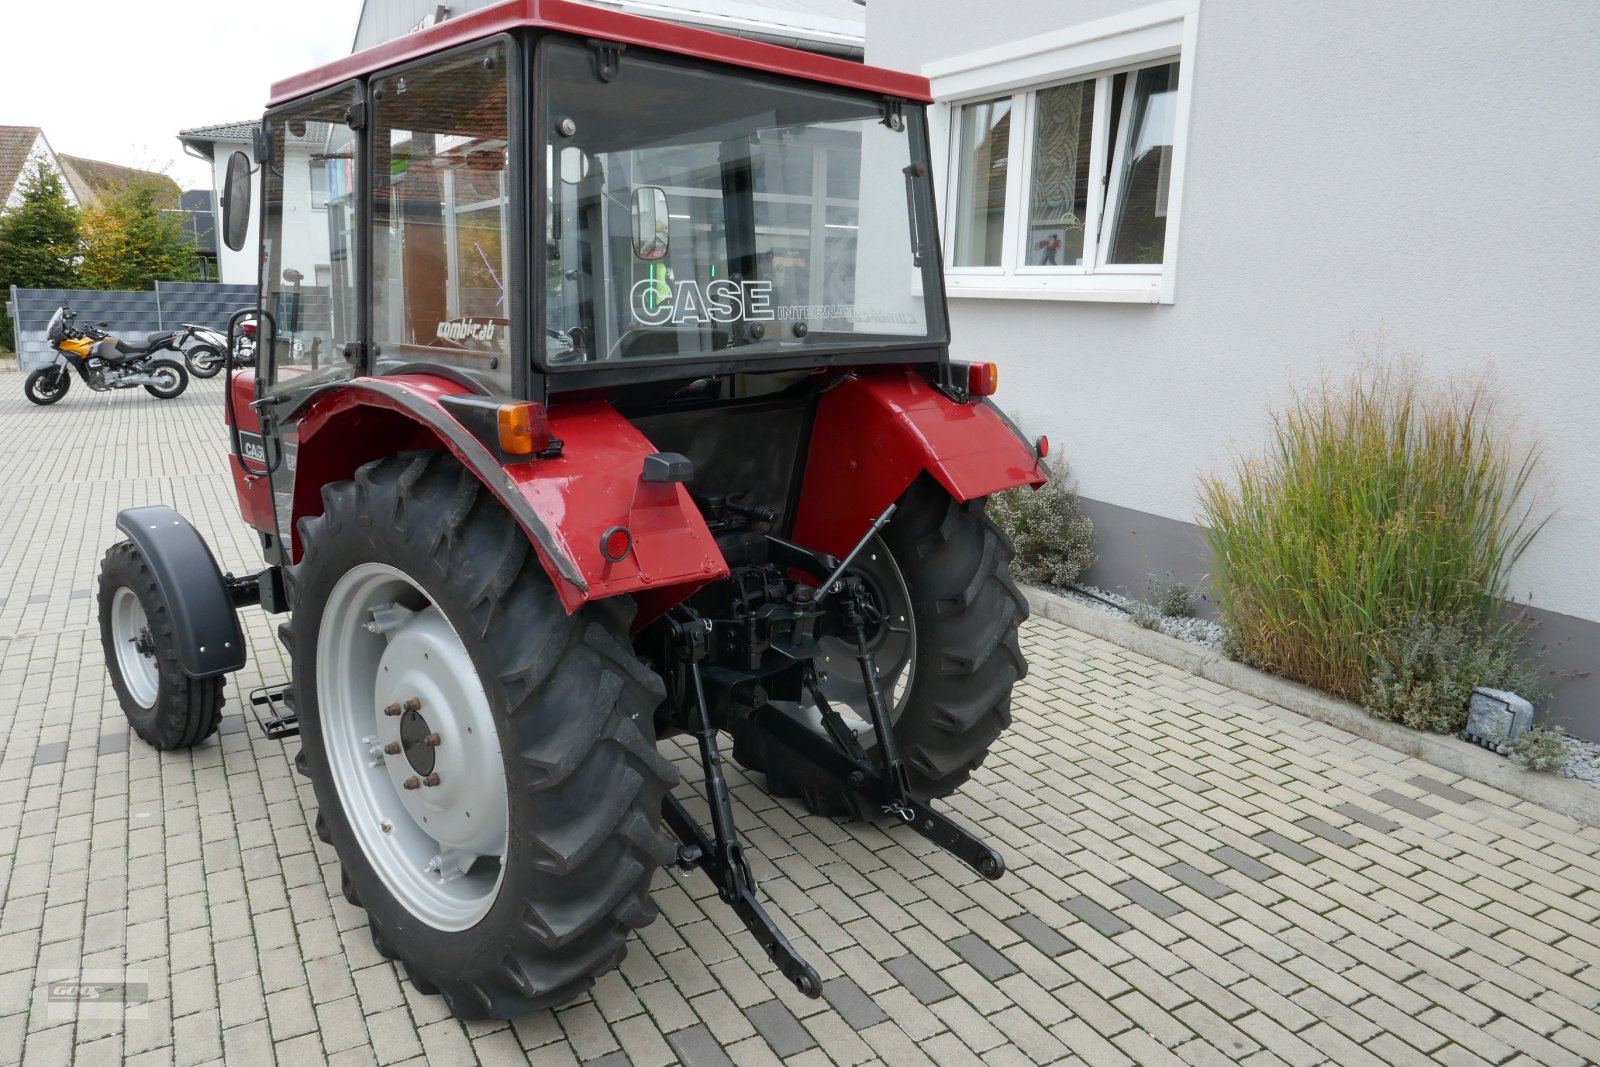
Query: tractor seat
[{"x": 130, "y": 348}]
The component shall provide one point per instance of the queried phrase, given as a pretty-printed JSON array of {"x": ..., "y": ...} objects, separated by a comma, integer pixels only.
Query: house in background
[
  {"x": 1337, "y": 172},
  {"x": 20, "y": 148},
  {"x": 91, "y": 180}
]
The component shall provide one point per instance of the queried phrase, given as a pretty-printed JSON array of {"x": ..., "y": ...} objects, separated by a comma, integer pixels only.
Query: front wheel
[
  {"x": 204, "y": 361},
  {"x": 485, "y": 764},
  {"x": 165, "y": 706},
  {"x": 47, "y": 385},
  {"x": 172, "y": 380}
]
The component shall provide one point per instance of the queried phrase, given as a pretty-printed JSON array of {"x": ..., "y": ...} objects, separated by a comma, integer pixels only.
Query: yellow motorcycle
[{"x": 105, "y": 362}]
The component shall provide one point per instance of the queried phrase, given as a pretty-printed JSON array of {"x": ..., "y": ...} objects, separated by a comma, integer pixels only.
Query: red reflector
[
  {"x": 982, "y": 379},
  {"x": 524, "y": 428},
  {"x": 1042, "y": 446},
  {"x": 616, "y": 543}
]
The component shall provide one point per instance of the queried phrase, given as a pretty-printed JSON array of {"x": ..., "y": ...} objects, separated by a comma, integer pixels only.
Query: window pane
[
  {"x": 440, "y": 255},
  {"x": 981, "y": 183},
  {"x": 1060, "y": 188},
  {"x": 1140, "y": 233},
  {"x": 309, "y": 277}
]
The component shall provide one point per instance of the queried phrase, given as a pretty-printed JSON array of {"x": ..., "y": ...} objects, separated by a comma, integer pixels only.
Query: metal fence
[{"x": 129, "y": 313}]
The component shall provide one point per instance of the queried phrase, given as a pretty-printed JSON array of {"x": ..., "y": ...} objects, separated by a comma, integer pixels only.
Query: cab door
[{"x": 312, "y": 242}]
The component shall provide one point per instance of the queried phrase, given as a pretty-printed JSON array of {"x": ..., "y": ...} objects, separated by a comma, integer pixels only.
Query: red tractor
[{"x": 602, "y": 394}]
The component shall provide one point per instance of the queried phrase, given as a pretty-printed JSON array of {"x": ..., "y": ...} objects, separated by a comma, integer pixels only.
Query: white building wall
[{"x": 1426, "y": 171}]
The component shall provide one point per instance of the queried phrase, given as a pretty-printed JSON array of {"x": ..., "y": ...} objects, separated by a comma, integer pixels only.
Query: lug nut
[
  {"x": 432, "y": 740},
  {"x": 392, "y": 748},
  {"x": 392, "y": 709},
  {"x": 414, "y": 704},
  {"x": 412, "y": 783},
  {"x": 432, "y": 779}
]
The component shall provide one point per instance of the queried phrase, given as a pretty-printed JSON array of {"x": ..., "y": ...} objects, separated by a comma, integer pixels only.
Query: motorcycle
[
  {"x": 206, "y": 355},
  {"x": 105, "y": 362}
]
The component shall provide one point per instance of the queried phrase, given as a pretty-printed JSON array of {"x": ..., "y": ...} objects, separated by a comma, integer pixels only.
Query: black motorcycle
[{"x": 104, "y": 362}]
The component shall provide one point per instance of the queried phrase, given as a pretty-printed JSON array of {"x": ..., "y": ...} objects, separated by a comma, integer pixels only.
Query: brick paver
[{"x": 1194, "y": 876}]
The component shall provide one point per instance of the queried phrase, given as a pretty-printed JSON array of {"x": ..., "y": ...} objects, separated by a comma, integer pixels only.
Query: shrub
[
  {"x": 1054, "y": 539},
  {"x": 1427, "y": 669},
  {"x": 1384, "y": 499},
  {"x": 1147, "y": 615},
  {"x": 1169, "y": 596},
  {"x": 1541, "y": 748}
]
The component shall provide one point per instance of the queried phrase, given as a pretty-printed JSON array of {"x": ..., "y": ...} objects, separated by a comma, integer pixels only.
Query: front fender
[
  {"x": 875, "y": 434},
  {"x": 565, "y": 504},
  {"x": 199, "y": 606}
]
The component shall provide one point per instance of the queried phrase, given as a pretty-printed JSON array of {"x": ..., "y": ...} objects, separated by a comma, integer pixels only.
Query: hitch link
[{"x": 723, "y": 859}]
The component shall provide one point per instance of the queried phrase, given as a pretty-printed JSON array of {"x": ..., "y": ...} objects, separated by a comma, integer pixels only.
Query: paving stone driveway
[{"x": 1195, "y": 877}]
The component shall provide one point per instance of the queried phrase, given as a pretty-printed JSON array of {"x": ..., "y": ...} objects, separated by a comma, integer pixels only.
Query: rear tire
[
  {"x": 966, "y": 609},
  {"x": 47, "y": 385},
  {"x": 575, "y": 768},
  {"x": 165, "y": 707},
  {"x": 204, "y": 361},
  {"x": 177, "y": 381}
]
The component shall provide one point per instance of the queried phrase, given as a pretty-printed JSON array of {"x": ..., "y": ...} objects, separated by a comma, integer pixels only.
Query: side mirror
[
  {"x": 236, "y": 201},
  {"x": 650, "y": 222}
]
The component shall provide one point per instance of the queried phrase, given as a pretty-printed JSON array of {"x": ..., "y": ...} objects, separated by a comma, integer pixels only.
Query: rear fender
[
  {"x": 566, "y": 504},
  {"x": 875, "y": 434}
]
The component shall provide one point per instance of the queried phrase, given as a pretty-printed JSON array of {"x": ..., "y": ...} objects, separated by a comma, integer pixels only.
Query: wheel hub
[{"x": 414, "y": 742}]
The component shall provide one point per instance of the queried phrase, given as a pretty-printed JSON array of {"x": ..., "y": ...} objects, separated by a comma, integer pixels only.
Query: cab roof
[{"x": 583, "y": 20}]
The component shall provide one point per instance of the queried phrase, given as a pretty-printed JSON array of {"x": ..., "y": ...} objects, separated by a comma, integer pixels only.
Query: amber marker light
[
  {"x": 982, "y": 379},
  {"x": 524, "y": 428}
]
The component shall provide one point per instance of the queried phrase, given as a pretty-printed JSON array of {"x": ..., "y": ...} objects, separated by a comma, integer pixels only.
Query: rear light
[
  {"x": 524, "y": 428},
  {"x": 982, "y": 379},
  {"x": 1042, "y": 446},
  {"x": 616, "y": 543},
  {"x": 248, "y": 329}
]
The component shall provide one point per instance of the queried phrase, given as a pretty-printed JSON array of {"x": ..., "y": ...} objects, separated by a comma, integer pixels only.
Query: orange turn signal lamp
[
  {"x": 983, "y": 379},
  {"x": 524, "y": 428}
]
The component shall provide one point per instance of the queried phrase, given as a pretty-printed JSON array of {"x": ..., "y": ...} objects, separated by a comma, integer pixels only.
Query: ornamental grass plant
[{"x": 1383, "y": 499}]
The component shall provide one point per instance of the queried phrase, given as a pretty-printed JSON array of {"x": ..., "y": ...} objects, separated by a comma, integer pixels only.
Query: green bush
[
  {"x": 1427, "y": 669},
  {"x": 1054, "y": 539},
  {"x": 1542, "y": 748},
  {"x": 1169, "y": 596},
  {"x": 1383, "y": 499}
]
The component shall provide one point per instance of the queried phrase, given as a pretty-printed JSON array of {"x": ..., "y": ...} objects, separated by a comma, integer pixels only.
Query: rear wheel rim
[
  {"x": 130, "y": 636},
  {"x": 893, "y": 643},
  {"x": 439, "y": 849}
]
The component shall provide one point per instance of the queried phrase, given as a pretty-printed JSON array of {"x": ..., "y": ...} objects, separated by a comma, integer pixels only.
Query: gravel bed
[
  {"x": 1583, "y": 757},
  {"x": 1202, "y": 632}
]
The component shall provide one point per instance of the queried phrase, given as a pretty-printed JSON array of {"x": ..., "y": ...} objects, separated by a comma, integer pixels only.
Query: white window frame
[{"x": 1102, "y": 49}]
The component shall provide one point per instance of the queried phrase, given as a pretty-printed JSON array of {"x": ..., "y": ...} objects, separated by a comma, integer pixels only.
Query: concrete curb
[{"x": 1569, "y": 798}]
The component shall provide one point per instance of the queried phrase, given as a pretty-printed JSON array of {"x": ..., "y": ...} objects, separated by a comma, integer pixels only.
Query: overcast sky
[{"x": 115, "y": 80}]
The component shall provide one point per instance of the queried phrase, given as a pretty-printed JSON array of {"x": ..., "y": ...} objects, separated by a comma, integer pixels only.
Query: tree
[
  {"x": 130, "y": 241},
  {"x": 38, "y": 241}
]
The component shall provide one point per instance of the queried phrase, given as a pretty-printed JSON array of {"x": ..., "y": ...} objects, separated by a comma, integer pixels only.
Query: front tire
[
  {"x": 165, "y": 707},
  {"x": 176, "y": 381},
  {"x": 47, "y": 385},
  {"x": 542, "y": 899},
  {"x": 204, "y": 361}
]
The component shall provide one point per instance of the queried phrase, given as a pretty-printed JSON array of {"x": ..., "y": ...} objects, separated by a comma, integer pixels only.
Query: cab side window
[
  {"x": 308, "y": 250},
  {"x": 441, "y": 248}
]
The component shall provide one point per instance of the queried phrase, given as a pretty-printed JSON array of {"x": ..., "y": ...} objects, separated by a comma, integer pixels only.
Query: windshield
[
  {"x": 700, "y": 211},
  {"x": 57, "y": 327}
]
